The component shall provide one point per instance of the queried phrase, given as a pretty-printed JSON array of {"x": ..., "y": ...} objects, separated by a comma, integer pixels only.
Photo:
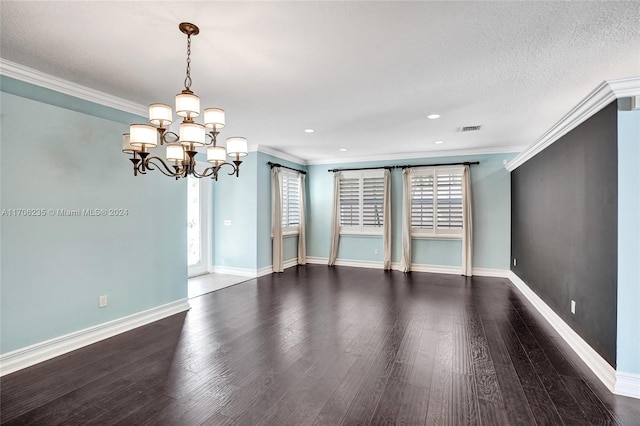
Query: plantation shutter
[
  {"x": 422, "y": 201},
  {"x": 436, "y": 201},
  {"x": 349, "y": 201},
  {"x": 372, "y": 201},
  {"x": 449, "y": 190},
  {"x": 290, "y": 201}
]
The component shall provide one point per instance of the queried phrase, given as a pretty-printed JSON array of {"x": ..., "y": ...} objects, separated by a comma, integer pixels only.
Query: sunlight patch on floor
[{"x": 204, "y": 284}]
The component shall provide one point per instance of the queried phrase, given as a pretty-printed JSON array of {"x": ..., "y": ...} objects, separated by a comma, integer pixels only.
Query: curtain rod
[
  {"x": 466, "y": 163},
  {"x": 285, "y": 167}
]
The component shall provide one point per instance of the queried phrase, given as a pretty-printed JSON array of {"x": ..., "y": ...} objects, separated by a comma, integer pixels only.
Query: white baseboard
[
  {"x": 230, "y": 270},
  {"x": 264, "y": 271},
  {"x": 39, "y": 352},
  {"x": 601, "y": 368},
  {"x": 489, "y": 272},
  {"x": 434, "y": 269},
  {"x": 416, "y": 267},
  {"x": 372, "y": 264},
  {"x": 253, "y": 273},
  {"x": 627, "y": 384}
]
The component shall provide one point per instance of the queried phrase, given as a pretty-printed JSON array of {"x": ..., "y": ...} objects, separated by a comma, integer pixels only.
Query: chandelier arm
[
  {"x": 236, "y": 167},
  {"x": 164, "y": 169},
  {"x": 163, "y": 137},
  {"x": 198, "y": 175},
  {"x": 213, "y": 135}
]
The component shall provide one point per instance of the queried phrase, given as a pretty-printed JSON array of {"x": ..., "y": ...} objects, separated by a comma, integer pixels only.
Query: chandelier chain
[{"x": 187, "y": 80}]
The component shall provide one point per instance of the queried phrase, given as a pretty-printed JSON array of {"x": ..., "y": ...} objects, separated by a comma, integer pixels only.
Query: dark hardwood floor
[{"x": 327, "y": 346}]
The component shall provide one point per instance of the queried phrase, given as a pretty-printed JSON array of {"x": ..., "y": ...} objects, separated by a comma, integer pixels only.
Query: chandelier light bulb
[
  {"x": 214, "y": 118},
  {"x": 237, "y": 146},
  {"x": 192, "y": 133},
  {"x": 126, "y": 144},
  {"x": 160, "y": 115},
  {"x": 175, "y": 152},
  {"x": 143, "y": 135},
  {"x": 216, "y": 154},
  {"x": 187, "y": 104}
]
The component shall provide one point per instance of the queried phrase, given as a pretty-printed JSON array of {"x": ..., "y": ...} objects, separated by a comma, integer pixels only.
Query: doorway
[{"x": 198, "y": 225}]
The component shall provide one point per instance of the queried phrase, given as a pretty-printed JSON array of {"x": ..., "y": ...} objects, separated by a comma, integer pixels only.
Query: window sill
[
  {"x": 288, "y": 234},
  {"x": 435, "y": 237},
  {"x": 360, "y": 234}
]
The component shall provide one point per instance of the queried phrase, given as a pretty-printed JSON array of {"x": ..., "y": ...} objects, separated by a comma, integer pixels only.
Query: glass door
[{"x": 198, "y": 240}]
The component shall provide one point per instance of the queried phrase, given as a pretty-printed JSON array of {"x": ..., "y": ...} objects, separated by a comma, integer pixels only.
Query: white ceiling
[{"x": 364, "y": 75}]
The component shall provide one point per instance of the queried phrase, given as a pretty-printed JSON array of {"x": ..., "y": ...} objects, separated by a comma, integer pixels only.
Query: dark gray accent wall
[{"x": 564, "y": 228}]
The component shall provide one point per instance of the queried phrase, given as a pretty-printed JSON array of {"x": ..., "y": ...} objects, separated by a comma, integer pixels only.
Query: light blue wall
[
  {"x": 246, "y": 201},
  {"x": 491, "y": 216},
  {"x": 55, "y": 268},
  {"x": 234, "y": 199},
  {"x": 628, "y": 341}
]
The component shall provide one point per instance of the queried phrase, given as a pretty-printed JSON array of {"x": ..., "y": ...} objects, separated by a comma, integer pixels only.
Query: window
[
  {"x": 361, "y": 202},
  {"x": 436, "y": 202},
  {"x": 290, "y": 202}
]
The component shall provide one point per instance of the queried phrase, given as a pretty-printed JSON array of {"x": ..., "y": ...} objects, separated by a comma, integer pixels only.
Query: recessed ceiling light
[
  {"x": 433, "y": 116},
  {"x": 309, "y": 130},
  {"x": 438, "y": 142},
  {"x": 343, "y": 149}
]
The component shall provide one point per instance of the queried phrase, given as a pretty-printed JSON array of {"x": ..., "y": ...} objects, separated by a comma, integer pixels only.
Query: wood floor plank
[
  {"x": 388, "y": 407},
  {"x": 518, "y": 411},
  {"x": 440, "y": 405},
  {"x": 327, "y": 346},
  {"x": 413, "y": 406},
  {"x": 339, "y": 402}
]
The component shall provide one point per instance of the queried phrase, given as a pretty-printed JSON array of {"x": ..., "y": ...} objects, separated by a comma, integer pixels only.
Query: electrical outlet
[
  {"x": 515, "y": 262},
  {"x": 102, "y": 301},
  {"x": 227, "y": 222},
  {"x": 375, "y": 251},
  {"x": 573, "y": 307}
]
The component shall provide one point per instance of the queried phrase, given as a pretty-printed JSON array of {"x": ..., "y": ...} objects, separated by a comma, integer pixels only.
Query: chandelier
[{"x": 181, "y": 149}]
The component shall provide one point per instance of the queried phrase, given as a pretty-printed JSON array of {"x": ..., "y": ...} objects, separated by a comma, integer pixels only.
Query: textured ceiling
[{"x": 364, "y": 75}]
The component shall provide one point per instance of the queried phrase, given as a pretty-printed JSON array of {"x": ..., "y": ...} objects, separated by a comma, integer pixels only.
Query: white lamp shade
[
  {"x": 160, "y": 114},
  {"x": 214, "y": 118},
  {"x": 175, "y": 152},
  {"x": 192, "y": 133},
  {"x": 143, "y": 135},
  {"x": 126, "y": 144},
  {"x": 237, "y": 146},
  {"x": 216, "y": 154},
  {"x": 187, "y": 105}
]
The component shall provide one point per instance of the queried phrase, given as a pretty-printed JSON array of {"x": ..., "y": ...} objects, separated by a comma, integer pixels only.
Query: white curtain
[
  {"x": 386, "y": 220},
  {"x": 405, "y": 265},
  {"x": 335, "y": 220},
  {"x": 276, "y": 219},
  {"x": 302, "y": 241},
  {"x": 467, "y": 223}
]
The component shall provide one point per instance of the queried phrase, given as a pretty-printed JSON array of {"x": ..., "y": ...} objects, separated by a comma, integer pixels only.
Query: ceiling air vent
[{"x": 470, "y": 128}]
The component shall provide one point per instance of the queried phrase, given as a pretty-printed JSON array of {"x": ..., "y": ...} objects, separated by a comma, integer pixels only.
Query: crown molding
[
  {"x": 416, "y": 155},
  {"x": 282, "y": 155},
  {"x": 601, "y": 96},
  {"x": 38, "y": 78}
]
